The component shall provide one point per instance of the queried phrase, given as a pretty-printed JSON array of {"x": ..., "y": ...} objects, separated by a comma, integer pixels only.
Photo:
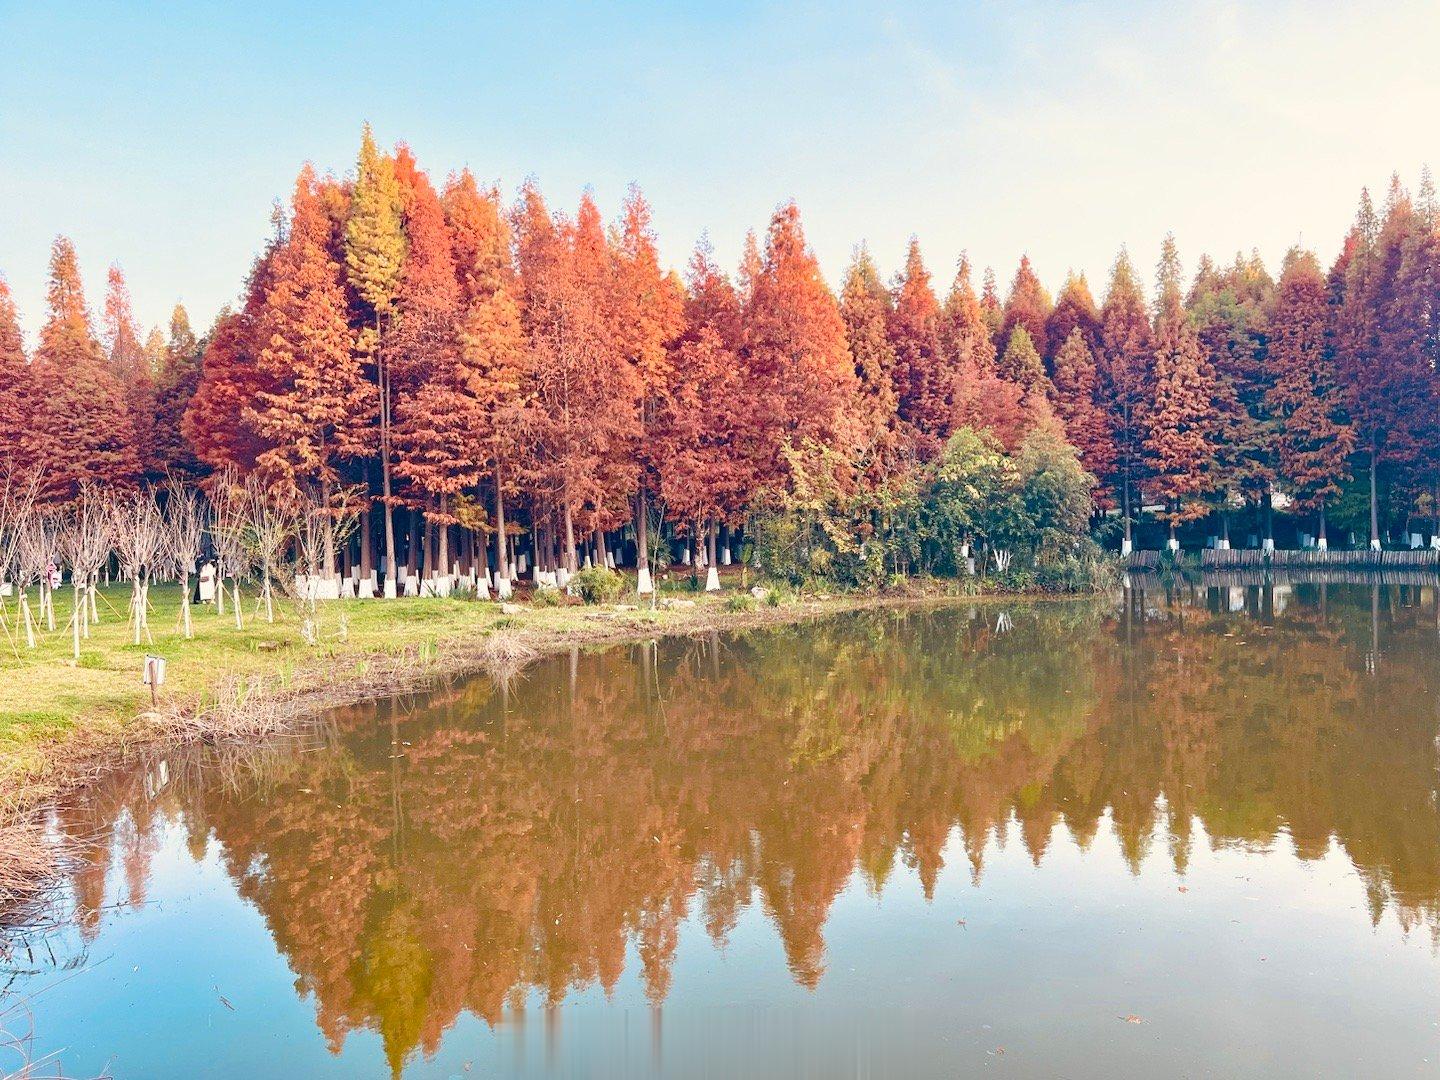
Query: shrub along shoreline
[{"x": 64, "y": 723}]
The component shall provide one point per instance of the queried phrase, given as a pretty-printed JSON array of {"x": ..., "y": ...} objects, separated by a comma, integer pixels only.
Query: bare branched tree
[
  {"x": 321, "y": 524},
  {"x": 228, "y": 530},
  {"x": 84, "y": 541},
  {"x": 17, "y": 498},
  {"x": 137, "y": 536},
  {"x": 186, "y": 519},
  {"x": 35, "y": 546},
  {"x": 273, "y": 520}
]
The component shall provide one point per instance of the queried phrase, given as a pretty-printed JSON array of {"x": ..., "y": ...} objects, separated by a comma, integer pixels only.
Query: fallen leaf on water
[
  {"x": 1184, "y": 888},
  {"x": 996, "y": 1052},
  {"x": 1131, "y": 1019}
]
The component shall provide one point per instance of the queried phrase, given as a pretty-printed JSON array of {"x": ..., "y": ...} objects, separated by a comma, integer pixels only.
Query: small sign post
[{"x": 154, "y": 677}]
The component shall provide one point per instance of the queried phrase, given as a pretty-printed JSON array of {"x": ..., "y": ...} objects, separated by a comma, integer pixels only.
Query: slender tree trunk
[
  {"x": 1374, "y": 505},
  {"x": 386, "y": 487},
  {"x": 570, "y": 563},
  {"x": 75, "y": 618},
  {"x": 1125, "y": 500},
  {"x": 367, "y": 561},
  {"x": 1323, "y": 542},
  {"x": 642, "y": 534},
  {"x": 239, "y": 613},
  {"x": 186, "y": 627},
  {"x": 443, "y": 561},
  {"x": 502, "y": 559},
  {"x": 27, "y": 619},
  {"x": 328, "y": 565},
  {"x": 412, "y": 552}
]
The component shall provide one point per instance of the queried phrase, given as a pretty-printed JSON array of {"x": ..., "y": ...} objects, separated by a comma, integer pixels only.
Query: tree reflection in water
[{"x": 417, "y": 859}]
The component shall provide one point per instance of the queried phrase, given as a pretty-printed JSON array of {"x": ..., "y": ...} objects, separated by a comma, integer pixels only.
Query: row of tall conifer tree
[{"x": 489, "y": 372}]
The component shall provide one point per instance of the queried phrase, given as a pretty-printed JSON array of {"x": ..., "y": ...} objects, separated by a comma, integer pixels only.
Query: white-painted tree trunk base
[
  {"x": 587, "y": 565},
  {"x": 1224, "y": 544},
  {"x": 562, "y": 578},
  {"x": 347, "y": 588},
  {"x": 1374, "y": 545},
  {"x": 390, "y": 592},
  {"x": 643, "y": 585},
  {"x": 1322, "y": 544},
  {"x": 1173, "y": 544},
  {"x": 1268, "y": 545},
  {"x": 412, "y": 584},
  {"x": 502, "y": 588},
  {"x": 610, "y": 559},
  {"x": 1126, "y": 547},
  {"x": 1416, "y": 541},
  {"x": 524, "y": 563},
  {"x": 712, "y": 580},
  {"x": 365, "y": 588},
  {"x": 1434, "y": 543},
  {"x": 725, "y": 556}
]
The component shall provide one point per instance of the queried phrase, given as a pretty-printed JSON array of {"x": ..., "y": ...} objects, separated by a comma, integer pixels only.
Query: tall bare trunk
[
  {"x": 1374, "y": 503},
  {"x": 642, "y": 533},
  {"x": 570, "y": 563},
  {"x": 502, "y": 561}
]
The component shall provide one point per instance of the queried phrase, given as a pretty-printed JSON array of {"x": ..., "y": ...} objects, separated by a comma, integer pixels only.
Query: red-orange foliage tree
[
  {"x": 1077, "y": 386},
  {"x": 1027, "y": 305},
  {"x": 15, "y": 384},
  {"x": 132, "y": 367},
  {"x": 865, "y": 307},
  {"x": 491, "y": 374},
  {"x": 80, "y": 425},
  {"x": 648, "y": 317},
  {"x": 804, "y": 385},
  {"x": 1177, "y": 418},
  {"x": 923, "y": 381},
  {"x": 1125, "y": 378},
  {"x": 1314, "y": 440},
  {"x": 1074, "y": 310},
  {"x": 308, "y": 413},
  {"x": 176, "y": 383}
]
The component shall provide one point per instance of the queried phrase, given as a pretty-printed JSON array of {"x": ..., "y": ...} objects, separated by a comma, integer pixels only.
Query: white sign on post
[{"x": 154, "y": 671}]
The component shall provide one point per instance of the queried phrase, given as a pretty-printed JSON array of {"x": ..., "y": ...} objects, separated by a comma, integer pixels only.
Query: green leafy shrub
[
  {"x": 546, "y": 596},
  {"x": 740, "y": 602},
  {"x": 598, "y": 585}
]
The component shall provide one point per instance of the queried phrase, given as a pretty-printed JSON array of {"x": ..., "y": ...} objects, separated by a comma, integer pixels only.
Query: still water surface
[{"x": 1167, "y": 836}]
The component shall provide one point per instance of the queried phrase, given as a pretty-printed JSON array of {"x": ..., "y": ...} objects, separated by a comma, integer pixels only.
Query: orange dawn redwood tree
[
  {"x": 491, "y": 373},
  {"x": 923, "y": 391},
  {"x": 1027, "y": 305},
  {"x": 1077, "y": 387},
  {"x": 804, "y": 385},
  {"x": 132, "y": 366},
  {"x": 306, "y": 354},
  {"x": 865, "y": 307},
  {"x": 16, "y": 403},
  {"x": 648, "y": 317},
  {"x": 1177, "y": 418},
  {"x": 1125, "y": 379},
  {"x": 80, "y": 424},
  {"x": 1314, "y": 440}
]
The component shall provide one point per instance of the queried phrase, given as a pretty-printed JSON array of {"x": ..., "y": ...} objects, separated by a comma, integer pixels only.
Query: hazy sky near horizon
[{"x": 158, "y": 137}]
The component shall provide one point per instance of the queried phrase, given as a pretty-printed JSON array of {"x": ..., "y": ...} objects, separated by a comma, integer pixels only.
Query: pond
[{"x": 1170, "y": 834}]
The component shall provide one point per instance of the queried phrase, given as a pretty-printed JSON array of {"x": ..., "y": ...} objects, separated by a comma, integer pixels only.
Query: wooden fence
[{"x": 1421, "y": 560}]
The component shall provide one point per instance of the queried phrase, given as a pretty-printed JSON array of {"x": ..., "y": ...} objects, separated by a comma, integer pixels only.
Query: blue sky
[{"x": 159, "y": 138}]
